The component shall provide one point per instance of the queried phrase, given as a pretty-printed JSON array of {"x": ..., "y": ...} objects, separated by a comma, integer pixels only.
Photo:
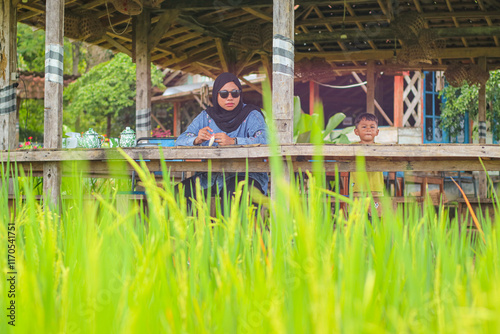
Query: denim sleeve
[
  {"x": 256, "y": 130},
  {"x": 187, "y": 137}
]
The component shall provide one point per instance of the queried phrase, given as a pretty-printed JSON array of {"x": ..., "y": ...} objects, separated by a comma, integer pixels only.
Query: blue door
[{"x": 433, "y": 133}]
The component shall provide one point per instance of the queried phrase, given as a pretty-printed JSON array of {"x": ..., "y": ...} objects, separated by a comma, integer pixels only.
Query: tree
[
  {"x": 103, "y": 94},
  {"x": 458, "y": 101},
  {"x": 31, "y": 51}
]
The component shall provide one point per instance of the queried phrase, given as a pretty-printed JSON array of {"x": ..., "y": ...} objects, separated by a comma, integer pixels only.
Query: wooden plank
[
  {"x": 258, "y": 13},
  {"x": 164, "y": 23},
  {"x": 118, "y": 46},
  {"x": 253, "y": 86},
  {"x": 370, "y": 83},
  {"x": 481, "y": 119},
  {"x": 398, "y": 100},
  {"x": 313, "y": 96},
  {"x": 449, "y": 53},
  {"x": 336, "y": 20},
  {"x": 54, "y": 39},
  {"x": 177, "y": 123},
  {"x": 8, "y": 65},
  {"x": 143, "y": 75},
  {"x": 353, "y": 35},
  {"x": 428, "y": 152},
  {"x": 222, "y": 54},
  {"x": 103, "y": 169}
]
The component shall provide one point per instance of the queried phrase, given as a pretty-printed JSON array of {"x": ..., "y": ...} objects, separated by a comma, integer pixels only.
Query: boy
[{"x": 366, "y": 127}]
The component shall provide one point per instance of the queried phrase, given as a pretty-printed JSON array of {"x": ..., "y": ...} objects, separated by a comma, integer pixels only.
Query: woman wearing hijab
[{"x": 230, "y": 122}]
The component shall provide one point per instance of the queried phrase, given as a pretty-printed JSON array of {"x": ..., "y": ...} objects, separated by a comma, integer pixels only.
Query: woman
[{"x": 230, "y": 122}]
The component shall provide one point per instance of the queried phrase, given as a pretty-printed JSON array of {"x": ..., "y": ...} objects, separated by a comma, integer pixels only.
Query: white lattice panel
[{"x": 412, "y": 102}]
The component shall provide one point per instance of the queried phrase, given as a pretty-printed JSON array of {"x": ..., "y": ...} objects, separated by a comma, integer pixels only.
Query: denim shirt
[{"x": 253, "y": 130}]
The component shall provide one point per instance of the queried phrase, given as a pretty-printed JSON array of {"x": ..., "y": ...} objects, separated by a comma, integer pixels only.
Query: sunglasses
[{"x": 234, "y": 93}]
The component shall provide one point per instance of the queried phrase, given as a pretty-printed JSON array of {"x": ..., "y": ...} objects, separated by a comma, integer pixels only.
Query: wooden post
[
  {"x": 143, "y": 75},
  {"x": 8, "y": 72},
  {"x": 481, "y": 119},
  {"x": 283, "y": 67},
  {"x": 313, "y": 95},
  {"x": 398, "y": 100},
  {"x": 176, "y": 122},
  {"x": 370, "y": 86},
  {"x": 54, "y": 52}
]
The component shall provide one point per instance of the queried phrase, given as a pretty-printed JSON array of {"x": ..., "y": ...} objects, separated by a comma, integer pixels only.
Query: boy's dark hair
[{"x": 365, "y": 116}]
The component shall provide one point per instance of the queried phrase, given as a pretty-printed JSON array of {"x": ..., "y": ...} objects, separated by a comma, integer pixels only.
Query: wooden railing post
[
  {"x": 8, "y": 57},
  {"x": 481, "y": 120},
  {"x": 54, "y": 52},
  {"x": 283, "y": 68},
  {"x": 283, "y": 74},
  {"x": 143, "y": 75}
]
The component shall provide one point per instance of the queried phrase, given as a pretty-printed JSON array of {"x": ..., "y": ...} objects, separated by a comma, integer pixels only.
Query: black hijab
[{"x": 228, "y": 121}]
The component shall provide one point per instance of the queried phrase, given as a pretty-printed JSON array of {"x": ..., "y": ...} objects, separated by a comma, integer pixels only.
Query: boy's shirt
[{"x": 375, "y": 181}]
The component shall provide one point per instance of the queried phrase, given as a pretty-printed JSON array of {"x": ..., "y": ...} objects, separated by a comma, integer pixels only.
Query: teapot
[
  {"x": 127, "y": 138},
  {"x": 90, "y": 139}
]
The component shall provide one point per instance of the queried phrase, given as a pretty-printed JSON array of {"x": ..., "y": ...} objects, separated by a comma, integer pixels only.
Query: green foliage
[
  {"x": 458, "y": 101},
  {"x": 30, "y": 48},
  {"x": 310, "y": 128},
  {"x": 107, "y": 89},
  {"x": 31, "y": 119},
  {"x": 31, "y": 51}
]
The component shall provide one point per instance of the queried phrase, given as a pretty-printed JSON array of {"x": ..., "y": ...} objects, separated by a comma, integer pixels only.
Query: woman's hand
[
  {"x": 223, "y": 139},
  {"x": 203, "y": 135}
]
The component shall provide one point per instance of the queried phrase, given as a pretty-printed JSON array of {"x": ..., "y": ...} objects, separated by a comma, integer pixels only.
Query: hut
[{"x": 306, "y": 41}]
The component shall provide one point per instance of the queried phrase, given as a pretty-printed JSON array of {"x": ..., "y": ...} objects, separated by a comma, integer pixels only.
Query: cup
[{"x": 114, "y": 142}]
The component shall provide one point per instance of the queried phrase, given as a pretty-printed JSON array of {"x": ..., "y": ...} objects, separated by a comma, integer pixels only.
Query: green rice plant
[{"x": 302, "y": 266}]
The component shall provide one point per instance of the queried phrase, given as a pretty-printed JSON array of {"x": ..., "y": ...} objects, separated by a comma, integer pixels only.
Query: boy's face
[{"x": 367, "y": 131}]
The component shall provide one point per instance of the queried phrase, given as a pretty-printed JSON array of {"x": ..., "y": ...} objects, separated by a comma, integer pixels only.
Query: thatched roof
[{"x": 340, "y": 36}]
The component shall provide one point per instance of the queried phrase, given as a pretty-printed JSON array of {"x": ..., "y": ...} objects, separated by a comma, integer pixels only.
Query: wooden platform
[{"x": 390, "y": 158}]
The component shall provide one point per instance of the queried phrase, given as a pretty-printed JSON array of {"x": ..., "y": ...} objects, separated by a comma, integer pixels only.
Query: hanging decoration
[
  {"x": 457, "y": 74},
  {"x": 420, "y": 45},
  {"x": 128, "y": 7}
]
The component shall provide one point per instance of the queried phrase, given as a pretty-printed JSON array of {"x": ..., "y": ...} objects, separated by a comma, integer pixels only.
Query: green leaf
[
  {"x": 304, "y": 137},
  {"x": 334, "y": 121},
  {"x": 297, "y": 111}
]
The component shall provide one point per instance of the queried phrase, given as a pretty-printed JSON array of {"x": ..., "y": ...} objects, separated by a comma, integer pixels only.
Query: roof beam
[
  {"x": 221, "y": 4},
  {"x": 455, "y": 53},
  {"x": 388, "y": 33},
  {"x": 258, "y": 13},
  {"x": 222, "y": 54},
  {"x": 165, "y": 21},
  {"x": 383, "y": 18},
  {"x": 118, "y": 46}
]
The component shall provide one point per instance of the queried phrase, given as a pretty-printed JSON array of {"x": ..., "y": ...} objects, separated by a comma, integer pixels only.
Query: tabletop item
[
  {"x": 127, "y": 138},
  {"x": 90, "y": 139},
  {"x": 114, "y": 142},
  {"x": 211, "y": 142},
  {"x": 72, "y": 141}
]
